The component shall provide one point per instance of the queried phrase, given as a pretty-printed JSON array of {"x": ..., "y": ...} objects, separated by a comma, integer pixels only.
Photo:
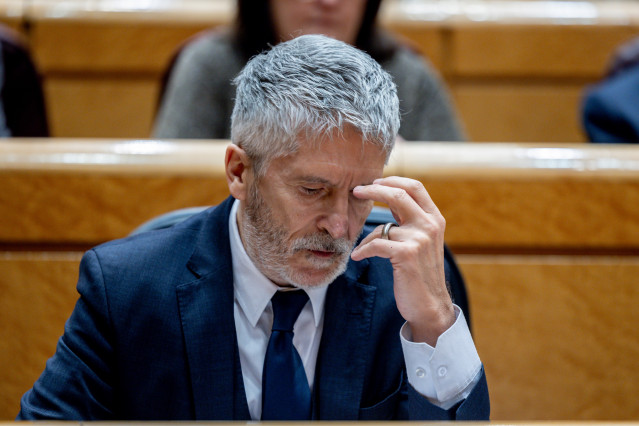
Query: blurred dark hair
[{"x": 254, "y": 32}]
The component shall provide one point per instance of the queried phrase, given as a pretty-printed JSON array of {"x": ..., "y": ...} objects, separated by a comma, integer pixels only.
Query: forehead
[{"x": 337, "y": 157}]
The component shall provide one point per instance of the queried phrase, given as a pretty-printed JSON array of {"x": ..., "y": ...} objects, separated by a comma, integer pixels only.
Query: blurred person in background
[
  {"x": 22, "y": 108},
  {"x": 197, "y": 99},
  {"x": 610, "y": 109}
]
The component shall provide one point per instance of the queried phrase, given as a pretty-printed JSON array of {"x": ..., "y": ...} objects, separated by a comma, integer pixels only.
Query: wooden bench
[{"x": 547, "y": 238}]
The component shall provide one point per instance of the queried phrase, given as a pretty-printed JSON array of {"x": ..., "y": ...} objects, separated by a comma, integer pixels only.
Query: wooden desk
[
  {"x": 517, "y": 69},
  {"x": 547, "y": 238}
]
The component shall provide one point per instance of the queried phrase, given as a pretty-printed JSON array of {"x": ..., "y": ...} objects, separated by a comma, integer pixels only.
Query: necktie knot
[{"x": 287, "y": 306}]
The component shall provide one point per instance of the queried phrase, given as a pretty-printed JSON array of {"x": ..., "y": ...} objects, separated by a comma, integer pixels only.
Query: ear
[{"x": 237, "y": 167}]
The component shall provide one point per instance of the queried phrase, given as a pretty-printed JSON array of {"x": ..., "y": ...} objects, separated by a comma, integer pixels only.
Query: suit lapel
[
  {"x": 339, "y": 377},
  {"x": 206, "y": 311}
]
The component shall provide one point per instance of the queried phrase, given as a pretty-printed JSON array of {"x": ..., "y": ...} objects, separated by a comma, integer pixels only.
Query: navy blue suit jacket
[
  {"x": 610, "y": 110},
  {"x": 153, "y": 337}
]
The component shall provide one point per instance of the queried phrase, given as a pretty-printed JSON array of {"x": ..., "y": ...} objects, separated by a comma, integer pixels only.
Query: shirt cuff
[{"x": 447, "y": 373}]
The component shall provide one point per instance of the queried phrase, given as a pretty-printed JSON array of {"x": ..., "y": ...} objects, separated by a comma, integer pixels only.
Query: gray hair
[{"x": 312, "y": 84}]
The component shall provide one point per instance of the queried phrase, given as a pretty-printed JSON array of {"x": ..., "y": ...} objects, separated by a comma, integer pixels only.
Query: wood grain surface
[{"x": 547, "y": 237}]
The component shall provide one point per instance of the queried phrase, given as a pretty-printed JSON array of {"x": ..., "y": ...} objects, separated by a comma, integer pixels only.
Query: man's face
[{"x": 300, "y": 221}]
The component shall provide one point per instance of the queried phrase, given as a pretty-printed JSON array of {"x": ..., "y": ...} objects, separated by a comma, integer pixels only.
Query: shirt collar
[{"x": 253, "y": 290}]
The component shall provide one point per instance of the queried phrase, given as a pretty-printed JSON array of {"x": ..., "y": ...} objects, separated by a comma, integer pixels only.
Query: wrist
[{"x": 429, "y": 328}]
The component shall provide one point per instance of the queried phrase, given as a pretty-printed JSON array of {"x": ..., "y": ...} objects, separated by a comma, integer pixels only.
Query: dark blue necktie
[{"x": 285, "y": 391}]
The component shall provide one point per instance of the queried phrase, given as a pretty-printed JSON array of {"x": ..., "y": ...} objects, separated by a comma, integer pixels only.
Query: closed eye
[{"x": 310, "y": 191}]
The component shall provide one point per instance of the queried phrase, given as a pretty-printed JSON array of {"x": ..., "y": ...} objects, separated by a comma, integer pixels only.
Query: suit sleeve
[
  {"x": 75, "y": 384},
  {"x": 475, "y": 407},
  {"x": 428, "y": 111}
]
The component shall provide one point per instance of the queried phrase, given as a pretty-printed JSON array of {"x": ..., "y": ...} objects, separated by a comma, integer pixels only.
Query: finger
[
  {"x": 414, "y": 188},
  {"x": 375, "y": 247},
  {"x": 393, "y": 233},
  {"x": 396, "y": 235},
  {"x": 375, "y": 233},
  {"x": 401, "y": 204}
]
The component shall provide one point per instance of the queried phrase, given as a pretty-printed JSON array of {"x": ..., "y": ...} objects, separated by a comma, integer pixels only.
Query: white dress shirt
[{"x": 444, "y": 374}]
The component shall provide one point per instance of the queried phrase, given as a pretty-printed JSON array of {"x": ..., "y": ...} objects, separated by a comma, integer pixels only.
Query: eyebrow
[{"x": 315, "y": 179}]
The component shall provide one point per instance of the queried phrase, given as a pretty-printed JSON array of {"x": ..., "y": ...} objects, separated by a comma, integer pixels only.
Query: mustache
[{"x": 323, "y": 242}]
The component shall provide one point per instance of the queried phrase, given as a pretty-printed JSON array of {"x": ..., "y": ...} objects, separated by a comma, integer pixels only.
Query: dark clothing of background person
[
  {"x": 23, "y": 105},
  {"x": 610, "y": 109}
]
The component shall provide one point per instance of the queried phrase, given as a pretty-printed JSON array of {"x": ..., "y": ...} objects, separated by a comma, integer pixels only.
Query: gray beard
[{"x": 265, "y": 243}]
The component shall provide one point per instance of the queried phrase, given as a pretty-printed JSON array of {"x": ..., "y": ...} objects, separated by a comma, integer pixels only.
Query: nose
[{"x": 335, "y": 221}]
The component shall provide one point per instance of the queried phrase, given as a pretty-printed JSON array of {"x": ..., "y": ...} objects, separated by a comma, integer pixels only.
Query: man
[{"x": 181, "y": 323}]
